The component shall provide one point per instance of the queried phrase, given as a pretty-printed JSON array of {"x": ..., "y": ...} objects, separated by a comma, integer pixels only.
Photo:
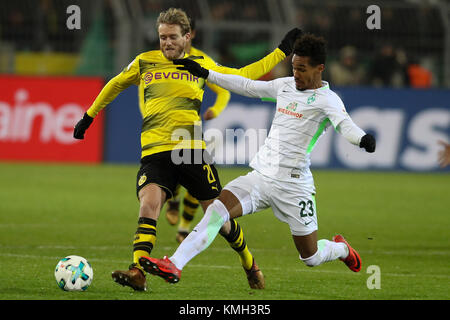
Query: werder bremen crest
[{"x": 311, "y": 99}]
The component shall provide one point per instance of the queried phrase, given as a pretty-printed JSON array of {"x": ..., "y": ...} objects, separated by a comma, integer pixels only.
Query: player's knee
[
  {"x": 313, "y": 260},
  {"x": 232, "y": 204}
]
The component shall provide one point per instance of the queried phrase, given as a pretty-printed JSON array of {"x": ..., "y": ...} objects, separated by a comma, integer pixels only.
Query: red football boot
[
  {"x": 353, "y": 260},
  {"x": 161, "y": 267}
]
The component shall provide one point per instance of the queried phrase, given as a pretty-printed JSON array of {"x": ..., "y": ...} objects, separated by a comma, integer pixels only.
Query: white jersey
[{"x": 301, "y": 117}]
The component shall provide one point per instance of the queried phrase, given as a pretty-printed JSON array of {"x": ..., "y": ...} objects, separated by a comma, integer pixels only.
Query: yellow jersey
[
  {"x": 222, "y": 95},
  {"x": 172, "y": 98}
]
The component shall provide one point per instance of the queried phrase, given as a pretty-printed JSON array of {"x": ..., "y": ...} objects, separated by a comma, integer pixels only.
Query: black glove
[
  {"x": 193, "y": 67},
  {"x": 287, "y": 44},
  {"x": 368, "y": 142},
  {"x": 81, "y": 126}
]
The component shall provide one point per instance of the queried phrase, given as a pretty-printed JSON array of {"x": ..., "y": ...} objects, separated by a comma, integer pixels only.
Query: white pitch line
[
  {"x": 203, "y": 266},
  {"x": 227, "y": 249}
]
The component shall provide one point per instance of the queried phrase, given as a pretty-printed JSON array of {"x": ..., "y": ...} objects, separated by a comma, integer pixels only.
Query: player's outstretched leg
[{"x": 353, "y": 260}]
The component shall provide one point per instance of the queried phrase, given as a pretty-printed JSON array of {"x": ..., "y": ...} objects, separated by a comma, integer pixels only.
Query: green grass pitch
[{"x": 397, "y": 221}]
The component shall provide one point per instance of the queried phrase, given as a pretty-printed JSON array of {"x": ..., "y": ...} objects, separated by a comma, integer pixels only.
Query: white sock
[
  {"x": 202, "y": 235},
  {"x": 326, "y": 251}
]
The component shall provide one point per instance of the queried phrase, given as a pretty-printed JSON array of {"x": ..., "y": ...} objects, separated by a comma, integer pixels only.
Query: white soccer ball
[{"x": 74, "y": 273}]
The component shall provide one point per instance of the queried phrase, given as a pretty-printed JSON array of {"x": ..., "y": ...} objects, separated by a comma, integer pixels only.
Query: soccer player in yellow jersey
[
  {"x": 171, "y": 131},
  {"x": 190, "y": 204}
]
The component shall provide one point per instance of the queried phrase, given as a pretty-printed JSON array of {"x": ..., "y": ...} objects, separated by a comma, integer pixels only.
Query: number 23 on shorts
[{"x": 307, "y": 208}]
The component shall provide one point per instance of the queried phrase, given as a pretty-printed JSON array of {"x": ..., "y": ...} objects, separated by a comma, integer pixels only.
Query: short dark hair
[{"x": 313, "y": 47}]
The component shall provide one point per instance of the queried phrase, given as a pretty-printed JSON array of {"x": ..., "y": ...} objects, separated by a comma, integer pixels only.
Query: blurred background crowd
[{"x": 411, "y": 49}]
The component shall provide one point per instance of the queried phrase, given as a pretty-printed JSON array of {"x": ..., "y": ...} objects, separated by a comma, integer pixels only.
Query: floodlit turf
[{"x": 397, "y": 221}]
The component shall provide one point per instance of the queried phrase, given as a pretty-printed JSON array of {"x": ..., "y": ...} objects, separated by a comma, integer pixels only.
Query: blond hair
[{"x": 175, "y": 16}]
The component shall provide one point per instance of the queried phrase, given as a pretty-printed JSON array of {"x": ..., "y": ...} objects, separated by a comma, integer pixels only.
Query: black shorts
[{"x": 199, "y": 178}]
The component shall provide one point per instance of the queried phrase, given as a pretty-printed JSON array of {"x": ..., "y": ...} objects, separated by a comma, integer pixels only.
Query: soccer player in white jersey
[{"x": 281, "y": 178}]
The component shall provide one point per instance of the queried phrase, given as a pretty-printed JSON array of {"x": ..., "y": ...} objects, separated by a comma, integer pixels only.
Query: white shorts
[{"x": 292, "y": 203}]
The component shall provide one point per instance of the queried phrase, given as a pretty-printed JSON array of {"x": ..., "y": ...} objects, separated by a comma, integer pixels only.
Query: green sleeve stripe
[
  {"x": 316, "y": 136},
  {"x": 269, "y": 99}
]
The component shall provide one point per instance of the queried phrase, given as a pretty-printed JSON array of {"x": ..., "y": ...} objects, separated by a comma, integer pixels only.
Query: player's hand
[
  {"x": 287, "y": 44},
  {"x": 193, "y": 67},
  {"x": 209, "y": 114},
  {"x": 81, "y": 126},
  {"x": 368, "y": 142}
]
